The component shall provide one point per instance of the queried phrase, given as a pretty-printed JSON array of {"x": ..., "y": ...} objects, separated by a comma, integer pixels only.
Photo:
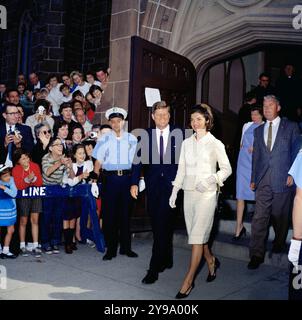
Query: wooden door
[{"x": 175, "y": 76}]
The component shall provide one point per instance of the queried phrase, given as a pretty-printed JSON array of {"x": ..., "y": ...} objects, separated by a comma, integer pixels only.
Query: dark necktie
[
  {"x": 80, "y": 170},
  {"x": 10, "y": 145},
  {"x": 270, "y": 137},
  {"x": 161, "y": 147}
]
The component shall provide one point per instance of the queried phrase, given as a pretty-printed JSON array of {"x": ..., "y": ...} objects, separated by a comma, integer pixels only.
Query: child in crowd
[
  {"x": 8, "y": 211},
  {"x": 67, "y": 96},
  {"x": 27, "y": 174},
  {"x": 82, "y": 170}
]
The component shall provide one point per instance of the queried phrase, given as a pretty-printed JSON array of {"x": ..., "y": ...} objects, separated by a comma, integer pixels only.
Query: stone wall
[{"x": 66, "y": 35}]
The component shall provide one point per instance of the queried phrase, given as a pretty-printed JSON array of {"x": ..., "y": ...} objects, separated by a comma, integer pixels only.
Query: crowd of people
[{"x": 47, "y": 138}]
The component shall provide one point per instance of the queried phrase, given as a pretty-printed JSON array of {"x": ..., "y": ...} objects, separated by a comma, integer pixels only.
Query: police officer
[{"x": 115, "y": 152}]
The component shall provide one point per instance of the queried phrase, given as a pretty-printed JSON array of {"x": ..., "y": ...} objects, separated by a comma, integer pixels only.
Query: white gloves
[
  {"x": 203, "y": 185},
  {"x": 141, "y": 185},
  {"x": 294, "y": 251},
  {"x": 95, "y": 190},
  {"x": 211, "y": 180},
  {"x": 173, "y": 197}
]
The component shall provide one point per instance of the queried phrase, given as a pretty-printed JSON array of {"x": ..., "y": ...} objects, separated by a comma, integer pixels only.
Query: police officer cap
[
  {"x": 116, "y": 112},
  {"x": 3, "y": 167}
]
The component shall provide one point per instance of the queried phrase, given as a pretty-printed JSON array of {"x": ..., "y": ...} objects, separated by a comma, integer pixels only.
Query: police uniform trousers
[
  {"x": 270, "y": 206},
  {"x": 116, "y": 201},
  {"x": 162, "y": 222}
]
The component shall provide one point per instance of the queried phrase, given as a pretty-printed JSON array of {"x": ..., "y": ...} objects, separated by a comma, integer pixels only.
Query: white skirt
[{"x": 199, "y": 210}]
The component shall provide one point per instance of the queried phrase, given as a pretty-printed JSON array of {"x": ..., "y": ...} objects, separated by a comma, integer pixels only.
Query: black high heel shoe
[
  {"x": 241, "y": 234},
  {"x": 212, "y": 277},
  {"x": 186, "y": 294}
]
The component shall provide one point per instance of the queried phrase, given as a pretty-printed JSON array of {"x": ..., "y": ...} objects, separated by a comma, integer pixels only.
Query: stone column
[{"x": 124, "y": 24}]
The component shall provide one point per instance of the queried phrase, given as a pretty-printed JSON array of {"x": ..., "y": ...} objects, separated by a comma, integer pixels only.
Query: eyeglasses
[
  {"x": 48, "y": 131},
  {"x": 57, "y": 145},
  {"x": 13, "y": 113}
]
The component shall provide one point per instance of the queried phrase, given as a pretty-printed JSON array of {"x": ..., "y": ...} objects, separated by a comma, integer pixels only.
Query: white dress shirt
[
  {"x": 166, "y": 133},
  {"x": 275, "y": 127}
]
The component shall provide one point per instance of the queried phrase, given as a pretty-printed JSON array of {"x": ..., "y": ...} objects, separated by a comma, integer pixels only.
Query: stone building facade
[
  {"x": 204, "y": 31},
  {"x": 53, "y": 36}
]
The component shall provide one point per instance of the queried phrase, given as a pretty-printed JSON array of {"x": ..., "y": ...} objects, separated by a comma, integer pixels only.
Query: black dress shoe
[
  {"x": 150, "y": 277},
  {"x": 212, "y": 277},
  {"x": 240, "y": 235},
  {"x": 255, "y": 262},
  {"x": 129, "y": 253},
  {"x": 8, "y": 256},
  {"x": 109, "y": 256},
  {"x": 185, "y": 294},
  {"x": 168, "y": 265}
]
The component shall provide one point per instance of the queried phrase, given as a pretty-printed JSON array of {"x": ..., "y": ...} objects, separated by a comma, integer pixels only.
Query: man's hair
[
  {"x": 11, "y": 90},
  {"x": 59, "y": 124},
  {"x": 264, "y": 74},
  {"x": 7, "y": 105},
  {"x": 101, "y": 68},
  {"x": 272, "y": 97},
  {"x": 51, "y": 76},
  {"x": 160, "y": 105}
]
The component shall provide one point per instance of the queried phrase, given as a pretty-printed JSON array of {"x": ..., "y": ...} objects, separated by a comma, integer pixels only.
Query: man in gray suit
[{"x": 273, "y": 154}]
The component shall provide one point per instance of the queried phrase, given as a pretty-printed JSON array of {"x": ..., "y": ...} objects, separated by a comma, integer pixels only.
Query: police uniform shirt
[{"x": 116, "y": 153}]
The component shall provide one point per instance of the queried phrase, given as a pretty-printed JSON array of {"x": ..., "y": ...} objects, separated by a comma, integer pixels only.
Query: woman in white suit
[{"x": 197, "y": 175}]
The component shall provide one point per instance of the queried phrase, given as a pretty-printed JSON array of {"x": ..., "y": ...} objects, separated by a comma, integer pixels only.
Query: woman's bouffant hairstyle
[{"x": 206, "y": 111}]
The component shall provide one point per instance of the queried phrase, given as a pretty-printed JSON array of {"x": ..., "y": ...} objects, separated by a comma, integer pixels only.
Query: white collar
[
  {"x": 12, "y": 126},
  {"x": 165, "y": 131},
  {"x": 275, "y": 121}
]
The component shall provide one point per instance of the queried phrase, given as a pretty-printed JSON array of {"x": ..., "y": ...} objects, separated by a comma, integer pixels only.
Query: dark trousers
[
  {"x": 116, "y": 201},
  {"x": 51, "y": 222},
  {"x": 274, "y": 206},
  {"x": 162, "y": 222}
]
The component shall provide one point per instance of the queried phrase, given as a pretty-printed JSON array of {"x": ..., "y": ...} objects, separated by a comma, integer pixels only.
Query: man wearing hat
[{"x": 115, "y": 152}]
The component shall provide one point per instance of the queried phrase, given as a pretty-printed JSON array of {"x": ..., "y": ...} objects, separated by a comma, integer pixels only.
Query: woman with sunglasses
[{"x": 43, "y": 134}]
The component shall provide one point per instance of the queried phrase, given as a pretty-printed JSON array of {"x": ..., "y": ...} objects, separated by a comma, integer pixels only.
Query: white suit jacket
[{"x": 198, "y": 161}]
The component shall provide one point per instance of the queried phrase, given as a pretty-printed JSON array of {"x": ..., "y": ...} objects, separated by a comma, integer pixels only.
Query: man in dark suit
[
  {"x": 35, "y": 82},
  {"x": 274, "y": 151},
  {"x": 13, "y": 135},
  {"x": 159, "y": 170}
]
